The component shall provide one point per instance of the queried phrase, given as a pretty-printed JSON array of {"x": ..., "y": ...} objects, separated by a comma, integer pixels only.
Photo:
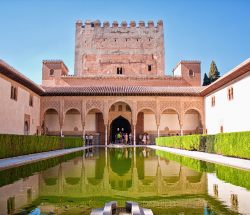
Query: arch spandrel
[
  {"x": 128, "y": 102},
  {"x": 175, "y": 105},
  {"x": 49, "y": 104},
  {"x": 94, "y": 104},
  {"x": 195, "y": 105},
  {"x": 151, "y": 105},
  {"x": 72, "y": 104}
]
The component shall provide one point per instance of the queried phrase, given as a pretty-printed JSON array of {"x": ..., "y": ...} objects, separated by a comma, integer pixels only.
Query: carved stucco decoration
[
  {"x": 195, "y": 105},
  {"x": 94, "y": 104},
  {"x": 72, "y": 104},
  {"x": 50, "y": 104},
  {"x": 146, "y": 105},
  {"x": 174, "y": 105},
  {"x": 128, "y": 102}
]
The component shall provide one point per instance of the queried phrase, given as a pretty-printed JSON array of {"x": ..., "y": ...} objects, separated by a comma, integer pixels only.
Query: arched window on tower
[
  {"x": 149, "y": 68},
  {"x": 51, "y": 72},
  {"x": 191, "y": 73}
]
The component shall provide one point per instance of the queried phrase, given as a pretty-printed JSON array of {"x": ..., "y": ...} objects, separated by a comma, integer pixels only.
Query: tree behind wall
[
  {"x": 214, "y": 74},
  {"x": 206, "y": 80}
]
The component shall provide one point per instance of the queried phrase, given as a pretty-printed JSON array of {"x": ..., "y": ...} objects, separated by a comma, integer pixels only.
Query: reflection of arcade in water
[
  {"x": 121, "y": 173},
  {"x": 125, "y": 174}
]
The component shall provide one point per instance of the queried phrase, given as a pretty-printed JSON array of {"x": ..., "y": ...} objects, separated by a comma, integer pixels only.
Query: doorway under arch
[
  {"x": 119, "y": 123},
  {"x": 26, "y": 128}
]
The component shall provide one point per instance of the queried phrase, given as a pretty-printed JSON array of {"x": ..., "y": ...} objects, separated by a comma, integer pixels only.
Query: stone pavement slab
[
  {"x": 214, "y": 158},
  {"x": 7, "y": 163}
]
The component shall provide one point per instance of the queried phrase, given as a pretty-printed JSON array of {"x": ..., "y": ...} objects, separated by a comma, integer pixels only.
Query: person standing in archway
[{"x": 126, "y": 138}]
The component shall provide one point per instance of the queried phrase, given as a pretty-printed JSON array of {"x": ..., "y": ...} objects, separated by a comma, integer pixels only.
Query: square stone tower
[{"x": 119, "y": 50}]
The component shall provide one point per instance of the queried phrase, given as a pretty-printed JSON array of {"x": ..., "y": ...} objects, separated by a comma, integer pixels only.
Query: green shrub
[
  {"x": 234, "y": 176},
  {"x": 236, "y": 144},
  {"x": 71, "y": 142},
  {"x": 197, "y": 165},
  {"x": 190, "y": 142},
  {"x": 15, "y": 145},
  {"x": 9, "y": 176}
]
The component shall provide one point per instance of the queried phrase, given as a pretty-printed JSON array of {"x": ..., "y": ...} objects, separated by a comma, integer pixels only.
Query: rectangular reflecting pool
[{"x": 164, "y": 182}]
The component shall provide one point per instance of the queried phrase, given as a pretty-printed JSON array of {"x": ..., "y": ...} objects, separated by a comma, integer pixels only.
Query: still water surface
[{"x": 165, "y": 182}]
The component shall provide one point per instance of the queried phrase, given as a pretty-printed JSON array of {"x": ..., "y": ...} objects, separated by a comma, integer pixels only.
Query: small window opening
[
  {"x": 13, "y": 93},
  {"x": 112, "y": 108},
  {"x": 221, "y": 129},
  {"x": 11, "y": 205},
  {"x": 31, "y": 101},
  {"x": 213, "y": 101},
  {"x": 191, "y": 73},
  {"x": 120, "y": 108},
  {"x": 29, "y": 195},
  {"x": 230, "y": 93},
  {"x": 128, "y": 108},
  {"x": 51, "y": 72},
  {"x": 149, "y": 68},
  {"x": 119, "y": 70}
]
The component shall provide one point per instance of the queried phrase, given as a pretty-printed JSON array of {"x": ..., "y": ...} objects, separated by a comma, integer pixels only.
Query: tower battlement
[
  {"x": 115, "y": 24},
  {"x": 119, "y": 48}
]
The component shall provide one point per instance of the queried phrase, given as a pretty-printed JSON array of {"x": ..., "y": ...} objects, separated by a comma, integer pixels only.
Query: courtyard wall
[{"x": 14, "y": 112}]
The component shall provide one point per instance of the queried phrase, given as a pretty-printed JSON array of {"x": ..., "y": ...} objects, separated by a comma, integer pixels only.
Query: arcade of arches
[{"x": 103, "y": 116}]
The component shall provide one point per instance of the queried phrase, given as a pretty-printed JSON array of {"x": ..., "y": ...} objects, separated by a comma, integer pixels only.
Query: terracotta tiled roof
[
  {"x": 101, "y": 80},
  {"x": 123, "y": 91},
  {"x": 13, "y": 74},
  {"x": 55, "y": 64},
  {"x": 236, "y": 72}
]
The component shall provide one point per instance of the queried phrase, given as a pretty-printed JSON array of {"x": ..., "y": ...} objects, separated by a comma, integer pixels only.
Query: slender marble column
[
  {"x": 106, "y": 135},
  {"x": 134, "y": 135}
]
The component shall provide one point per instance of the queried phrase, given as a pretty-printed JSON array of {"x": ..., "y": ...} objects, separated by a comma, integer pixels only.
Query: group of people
[
  {"x": 123, "y": 137},
  {"x": 144, "y": 139},
  {"x": 89, "y": 139}
]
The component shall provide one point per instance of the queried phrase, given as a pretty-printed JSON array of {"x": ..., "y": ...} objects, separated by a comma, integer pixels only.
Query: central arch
[{"x": 119, "y": 123}]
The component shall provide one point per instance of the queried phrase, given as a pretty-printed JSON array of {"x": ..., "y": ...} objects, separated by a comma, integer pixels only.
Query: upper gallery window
[
  {"x": 13, "y": 93},
  {"x": 230, "y": 93},
  {"x": 31, "y": 101},
  {"x": 213, "y": 101}
]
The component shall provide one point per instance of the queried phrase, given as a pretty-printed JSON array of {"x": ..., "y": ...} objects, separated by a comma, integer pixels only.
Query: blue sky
[{"x": 218, "y": 30}]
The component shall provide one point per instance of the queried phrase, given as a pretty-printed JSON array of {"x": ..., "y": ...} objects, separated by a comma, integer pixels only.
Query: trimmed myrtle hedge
[
  {"x": 229, "y": 174},
  {"x": 235, "y": 144},
  {"x": 197, "y": 165},
  {"x": 15, "y": 145},
  {"x": 9, "y": 176}
]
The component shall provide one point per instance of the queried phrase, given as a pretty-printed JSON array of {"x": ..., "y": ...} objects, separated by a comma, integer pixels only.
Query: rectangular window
[
  {"x": 11, "y": 205},
  {"x": 213, "y": 101},
  {"x": 119, "y": 70},
  {"x": 221, "y": 129},
  {"x": 13, "y": 93},
  {"x": 149, "y": 68},
  {"x": 31, "y": 101},
  {"x": 230, "y": 93},
  {"x": 120, "y": 108}
]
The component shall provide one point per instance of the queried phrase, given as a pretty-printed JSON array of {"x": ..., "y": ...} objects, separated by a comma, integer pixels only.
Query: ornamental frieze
[
  {"x": 146, "y": 105},
  {"x": 93, "y": 103},
  {"x": 72, "y": 104}
]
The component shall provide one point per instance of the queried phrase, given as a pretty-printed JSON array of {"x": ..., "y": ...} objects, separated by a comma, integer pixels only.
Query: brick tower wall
[{"x": 137, "y": 50}]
